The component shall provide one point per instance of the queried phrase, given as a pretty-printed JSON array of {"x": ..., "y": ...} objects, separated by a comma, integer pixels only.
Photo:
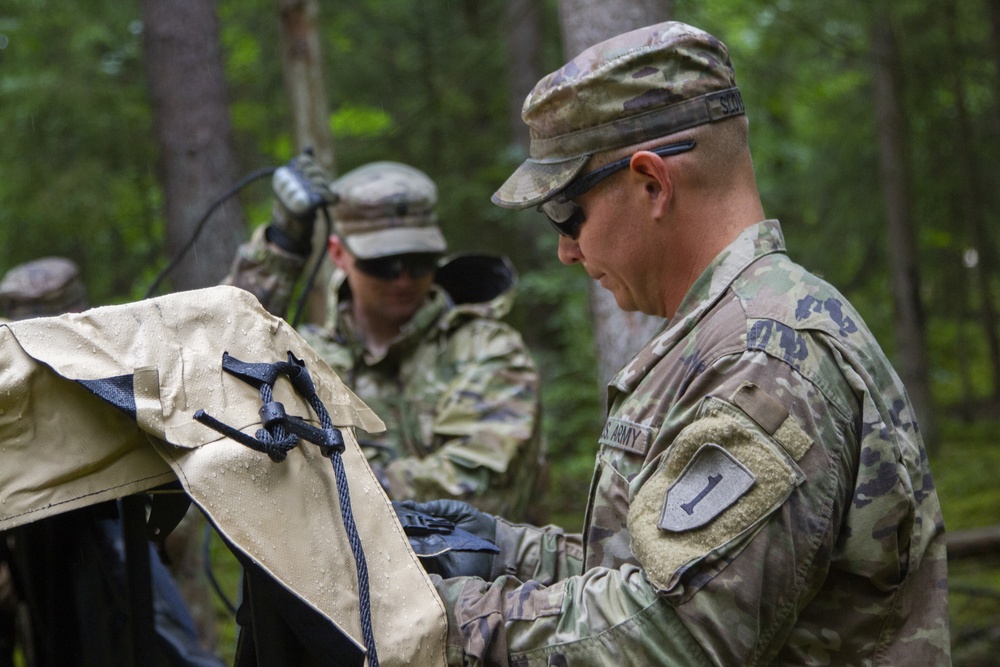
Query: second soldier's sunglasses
[
  {"x": 566, "y": 217},
  {"x": 417, "y": 265}
]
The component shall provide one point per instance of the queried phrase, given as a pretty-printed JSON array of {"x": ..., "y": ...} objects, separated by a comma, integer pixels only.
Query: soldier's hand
[
  {"x": 451, "y": 538},
  {"x": 463, "y": 515},
  {"x": 300, "y": 187}
]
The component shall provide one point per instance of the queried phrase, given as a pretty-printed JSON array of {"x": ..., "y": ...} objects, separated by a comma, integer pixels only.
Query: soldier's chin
[
  {"x": 624, "y": 301},
  {"x": 401, "y": 313}
]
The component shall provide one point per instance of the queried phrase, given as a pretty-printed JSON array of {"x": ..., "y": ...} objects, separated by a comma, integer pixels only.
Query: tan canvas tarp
[{"x": 62, "y": 447}]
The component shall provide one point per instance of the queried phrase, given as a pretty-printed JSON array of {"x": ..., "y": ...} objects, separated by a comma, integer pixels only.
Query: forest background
[{"x": 875, "y": 128}]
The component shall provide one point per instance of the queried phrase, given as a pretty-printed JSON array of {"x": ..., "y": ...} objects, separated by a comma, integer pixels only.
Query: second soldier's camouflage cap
[
  {"x": 41, "y": 288},
  {"x": 638, "y": 86},
  {"x": 387, "y": 208}
]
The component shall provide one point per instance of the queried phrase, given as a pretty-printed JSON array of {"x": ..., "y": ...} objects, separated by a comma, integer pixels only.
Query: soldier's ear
[
  {"x": 337, "y": 251},
  {"x": 655, "y": 178}
]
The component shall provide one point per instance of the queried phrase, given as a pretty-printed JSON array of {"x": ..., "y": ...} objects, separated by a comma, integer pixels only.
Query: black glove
[
  {"x": 300, "y": 187},
  {"x": 451, "y": 538}
]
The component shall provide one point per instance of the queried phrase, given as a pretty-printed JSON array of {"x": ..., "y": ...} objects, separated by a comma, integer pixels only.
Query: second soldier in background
[{"x": 418, "y": 339}]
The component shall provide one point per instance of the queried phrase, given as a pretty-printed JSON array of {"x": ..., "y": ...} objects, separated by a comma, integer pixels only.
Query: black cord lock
[{"x": 281, "y": 431}]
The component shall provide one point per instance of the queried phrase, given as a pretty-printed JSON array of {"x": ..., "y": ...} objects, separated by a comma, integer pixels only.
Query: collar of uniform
[
  {"x": 754, "y": 242},
  {"x": 342, "y": 327}
]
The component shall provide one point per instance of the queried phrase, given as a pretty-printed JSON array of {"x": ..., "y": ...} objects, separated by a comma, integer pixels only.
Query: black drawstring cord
[
  {"x": 343, "y": 494},
  {"x": 281, "y": 433},
  {"x": 242, "y": 183},
  {"x": 300, "y": 307}
]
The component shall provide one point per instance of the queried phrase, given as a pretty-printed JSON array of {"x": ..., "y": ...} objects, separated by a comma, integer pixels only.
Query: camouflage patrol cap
[
  {"x": 387, "y": 208},
  {"x": 40, "y": 288},
  {"x": 638, "y": 86}
]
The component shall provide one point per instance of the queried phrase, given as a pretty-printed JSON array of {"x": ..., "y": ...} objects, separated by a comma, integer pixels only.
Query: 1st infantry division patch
[{"x": 712, "y": 481}]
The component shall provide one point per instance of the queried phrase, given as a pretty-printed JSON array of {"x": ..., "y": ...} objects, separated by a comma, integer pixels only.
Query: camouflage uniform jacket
[
  {"x": 458, "y": 389},
  {"x": 761, "y": 496}
]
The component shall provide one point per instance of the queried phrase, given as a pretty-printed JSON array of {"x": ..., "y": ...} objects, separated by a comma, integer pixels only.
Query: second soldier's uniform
[{"x": 458, "y": 388}]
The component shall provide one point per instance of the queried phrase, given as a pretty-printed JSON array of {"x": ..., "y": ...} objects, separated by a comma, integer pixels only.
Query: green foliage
[
  {"x": 352, "y": 120},
  {"x": 805, "y": 73},
  {"x": 226, "y": 572},
  {"x": 957, "y": 379},
  {"x": 74, "y": 163},
  {"x": 965, "y": 474}
]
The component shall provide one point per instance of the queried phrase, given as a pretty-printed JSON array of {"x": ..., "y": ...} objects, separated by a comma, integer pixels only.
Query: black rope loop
[{"x": 280, "y": 432}]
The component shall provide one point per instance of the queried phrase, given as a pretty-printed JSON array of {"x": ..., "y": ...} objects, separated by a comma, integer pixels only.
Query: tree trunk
[
  {"x": 302, "y": 66},
  {"x": 973, "y": 200},
  {"x": 524, "y": 61},
  {"x": 973, "y": 542},
  {"x": 984, "y": 239},
  {"x": 587, "y": 22},
  {"x": 618, "y": 335},
  {"x": 197, "y": 163},
  {"x": 911, "y": 349}
]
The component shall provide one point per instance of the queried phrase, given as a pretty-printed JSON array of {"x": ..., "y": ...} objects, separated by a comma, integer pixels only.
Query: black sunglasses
[
  {"x": 563, "y": 213},
  {"x": 417, "y": 265}
]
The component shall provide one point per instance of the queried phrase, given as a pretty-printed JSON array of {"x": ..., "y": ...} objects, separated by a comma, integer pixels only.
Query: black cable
[
  {"x": 301, "y": 305},
  {"x": 206, "y": 559},
  {"x": 242, "y": 183}
]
